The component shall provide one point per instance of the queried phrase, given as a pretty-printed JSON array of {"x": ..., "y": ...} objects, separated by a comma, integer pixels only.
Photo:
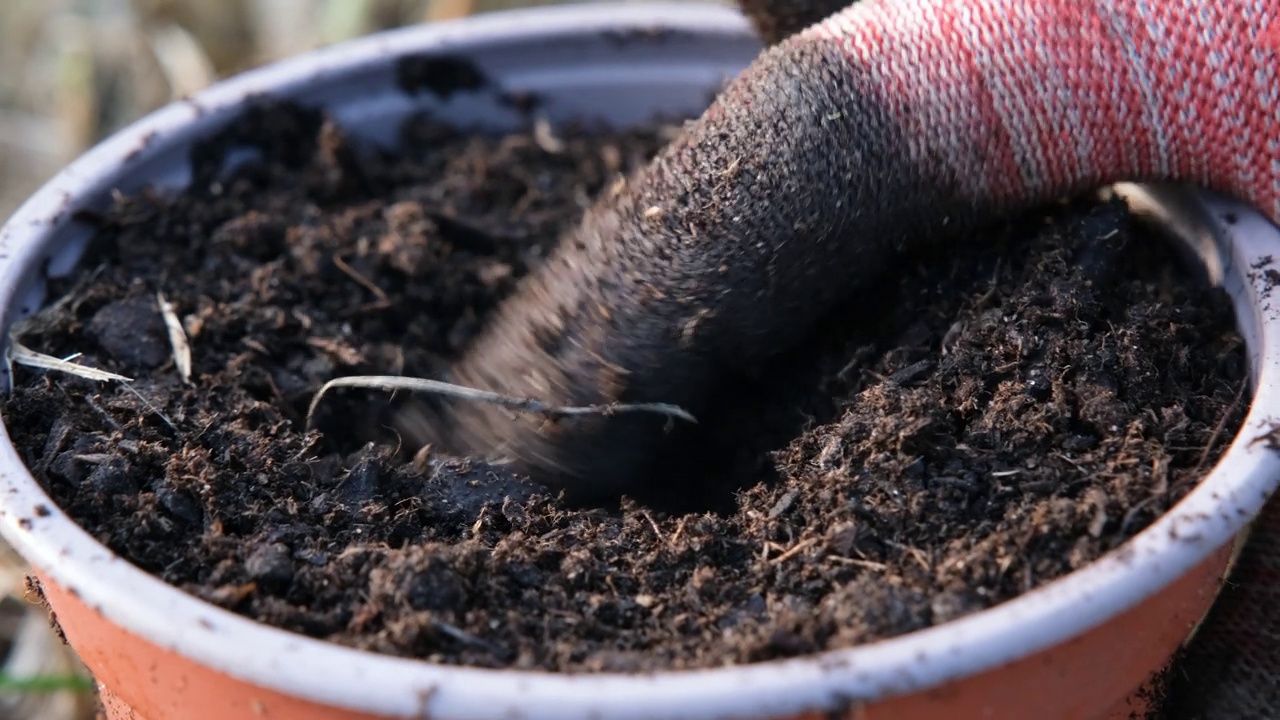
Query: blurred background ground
[{"x": 71, "y": 73}]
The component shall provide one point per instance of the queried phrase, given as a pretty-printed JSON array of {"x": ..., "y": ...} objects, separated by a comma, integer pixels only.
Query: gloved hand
[
  {"x": 888, "y": 123},
  {"x": 846, "y": 142}
]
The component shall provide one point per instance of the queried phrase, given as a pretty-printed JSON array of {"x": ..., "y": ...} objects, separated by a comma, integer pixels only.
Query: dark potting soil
[{"x": 984, "y": 423}]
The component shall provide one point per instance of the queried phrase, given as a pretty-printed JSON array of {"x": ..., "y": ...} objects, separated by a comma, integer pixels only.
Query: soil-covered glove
[{"x": 882, "y": 126}]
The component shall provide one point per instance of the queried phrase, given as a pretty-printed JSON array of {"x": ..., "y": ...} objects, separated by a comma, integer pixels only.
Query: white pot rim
[{"x": 1228, "y": 498}]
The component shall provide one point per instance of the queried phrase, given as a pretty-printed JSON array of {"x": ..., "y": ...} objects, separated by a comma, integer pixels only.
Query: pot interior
[{"x": 622, "y": 66}]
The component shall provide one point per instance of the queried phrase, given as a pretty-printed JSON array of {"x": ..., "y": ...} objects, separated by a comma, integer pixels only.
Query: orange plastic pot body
[{"x": 1099, "y": 675}]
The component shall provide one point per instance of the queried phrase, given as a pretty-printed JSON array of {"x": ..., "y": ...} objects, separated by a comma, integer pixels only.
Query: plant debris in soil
[{"x": 999, "y": 418}]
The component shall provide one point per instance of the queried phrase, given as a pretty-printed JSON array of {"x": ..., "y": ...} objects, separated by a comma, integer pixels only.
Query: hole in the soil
[
  {"x": 703, "y": 467},
  {"x": 700, "y": 468}
]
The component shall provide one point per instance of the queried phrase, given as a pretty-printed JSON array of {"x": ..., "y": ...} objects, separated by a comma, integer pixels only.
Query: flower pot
[{"x": 1081, "y": 646}]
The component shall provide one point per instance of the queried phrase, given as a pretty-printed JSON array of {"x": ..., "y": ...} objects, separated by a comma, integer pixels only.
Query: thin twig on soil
[
  {"x": 981, "y": 302},
  {"x": 793, "y": 551},
  {"x": 1132, "y": 513},
  {"x": 312, "y": 440},
  {"x": 1217, "y": 429},
  {"x": 102, "y": 413},
  {"x": 395, "y": 382},
  {"x": 154, "y": 409},
  {"x": 467, "y": 638},
  {"x": 653, "y": 524},
  {"x": 675, "y": 537},
  {"x": 177, "y": 338},
  {"x": 22, "y": 355},
  {"x": 914, "y": 552},
  {"x": 765, "y": 547},
  {"x": 364, "y": 282},
  {"x": 869, "y": 564}
]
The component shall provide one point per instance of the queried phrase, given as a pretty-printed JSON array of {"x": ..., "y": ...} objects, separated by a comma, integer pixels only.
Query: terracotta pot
[{"x": 1079, "y": 647}]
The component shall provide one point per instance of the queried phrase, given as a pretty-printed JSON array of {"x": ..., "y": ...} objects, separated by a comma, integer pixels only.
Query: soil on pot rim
[{"x": 989, "y": 422}]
